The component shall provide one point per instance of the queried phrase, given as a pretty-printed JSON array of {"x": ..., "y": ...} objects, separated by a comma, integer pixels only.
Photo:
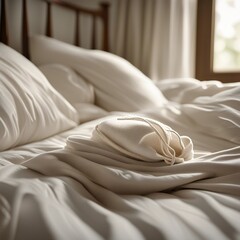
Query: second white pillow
[
  {"x": 119, "y": 86},
  {"x": 67, "y": 82}
]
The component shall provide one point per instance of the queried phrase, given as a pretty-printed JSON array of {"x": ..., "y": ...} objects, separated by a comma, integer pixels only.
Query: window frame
[{"x": 205, "y": 45}]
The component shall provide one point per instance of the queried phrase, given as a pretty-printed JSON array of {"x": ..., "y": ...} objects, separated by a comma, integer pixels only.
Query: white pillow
[
  {"x": 68, "y": 83},
  {"x": 119, "y": 86},
  {"x": 30, "y": 108}
]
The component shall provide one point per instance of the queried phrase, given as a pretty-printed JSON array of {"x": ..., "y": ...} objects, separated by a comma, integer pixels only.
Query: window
[{"x": 218, "y": 40}]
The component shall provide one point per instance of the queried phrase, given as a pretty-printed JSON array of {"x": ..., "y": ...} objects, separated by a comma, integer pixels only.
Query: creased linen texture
[
  {"x": 67, "y": 82},
  {"x": 30, "y": 108},
  {"x": 144, "y": 139},
  {"x": 74, "y": 89},
  {"x": 167, "y": 170}
]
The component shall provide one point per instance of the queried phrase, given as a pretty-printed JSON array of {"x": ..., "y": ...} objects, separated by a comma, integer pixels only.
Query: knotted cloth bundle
[{"x": 144, "y": 139}]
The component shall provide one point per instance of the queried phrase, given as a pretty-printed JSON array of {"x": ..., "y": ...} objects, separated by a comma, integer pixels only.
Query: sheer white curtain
[{"x": 157, "y": 36}]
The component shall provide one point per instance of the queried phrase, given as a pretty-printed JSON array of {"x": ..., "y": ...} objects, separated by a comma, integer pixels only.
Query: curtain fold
[{"x": 157, "y": 36}]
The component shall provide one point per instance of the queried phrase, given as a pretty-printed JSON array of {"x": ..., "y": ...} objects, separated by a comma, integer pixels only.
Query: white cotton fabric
[
  {"x": 88, "y": 112},
  {"x": 68, "y": 83},
  {"x": 75, "y": 89},
  {"x": 30, "y": 108},
  {"x": 119, "y": 86},
  {"x": 88, "y": 190},
  {"x": 186, "y": 90},
  {"x": 144, "y": 139}
]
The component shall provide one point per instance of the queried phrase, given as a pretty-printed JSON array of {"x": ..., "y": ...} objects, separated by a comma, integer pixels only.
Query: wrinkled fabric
[
  {"x": 144, "y": 139},
  {"x": 30, "y": 108},
  {"x": 118, "y": 85},
  {"x": 90, "y": 190}
]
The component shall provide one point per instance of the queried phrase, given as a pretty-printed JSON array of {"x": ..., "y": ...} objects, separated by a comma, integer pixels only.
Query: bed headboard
[{"x": 100, "y": 13}]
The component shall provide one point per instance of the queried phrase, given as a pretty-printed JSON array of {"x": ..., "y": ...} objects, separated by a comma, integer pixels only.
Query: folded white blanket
[{"x": 144, "y": 139}]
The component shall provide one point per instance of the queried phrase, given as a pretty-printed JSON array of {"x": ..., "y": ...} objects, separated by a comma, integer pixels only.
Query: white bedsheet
[{"x": 85, "y": 191}]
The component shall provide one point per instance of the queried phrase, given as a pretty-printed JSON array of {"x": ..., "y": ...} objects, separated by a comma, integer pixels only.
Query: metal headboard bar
[
  {"x": 25, "y": 33},
  {"x": 101, "y": 13},
  {"x": 3, "y": 27}
]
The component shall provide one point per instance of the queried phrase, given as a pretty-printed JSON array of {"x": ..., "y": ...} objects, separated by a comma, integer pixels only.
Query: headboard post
[
  {"x": 4, "y": 30},
  {"x": 77, "y": 43},
  {"x": 105, "y": 7},
  {"x": 49, "y": 20},
  {"x": 93, "y": 46},
  {"x": 25, "y": 41},
  {"x": 102, "y": 13}
]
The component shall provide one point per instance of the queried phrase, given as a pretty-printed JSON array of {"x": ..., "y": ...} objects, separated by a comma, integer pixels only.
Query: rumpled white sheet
[
  {"x": 125, "y": 174},
  {"x": 90, "y": 163},
  {"x": 89, "y": 190}
]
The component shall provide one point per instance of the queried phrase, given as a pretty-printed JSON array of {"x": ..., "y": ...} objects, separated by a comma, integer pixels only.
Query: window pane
[{"x": 227, "y": 36}]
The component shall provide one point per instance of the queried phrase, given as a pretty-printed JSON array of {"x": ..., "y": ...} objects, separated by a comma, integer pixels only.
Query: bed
[{"x": 91, "y": 148}]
